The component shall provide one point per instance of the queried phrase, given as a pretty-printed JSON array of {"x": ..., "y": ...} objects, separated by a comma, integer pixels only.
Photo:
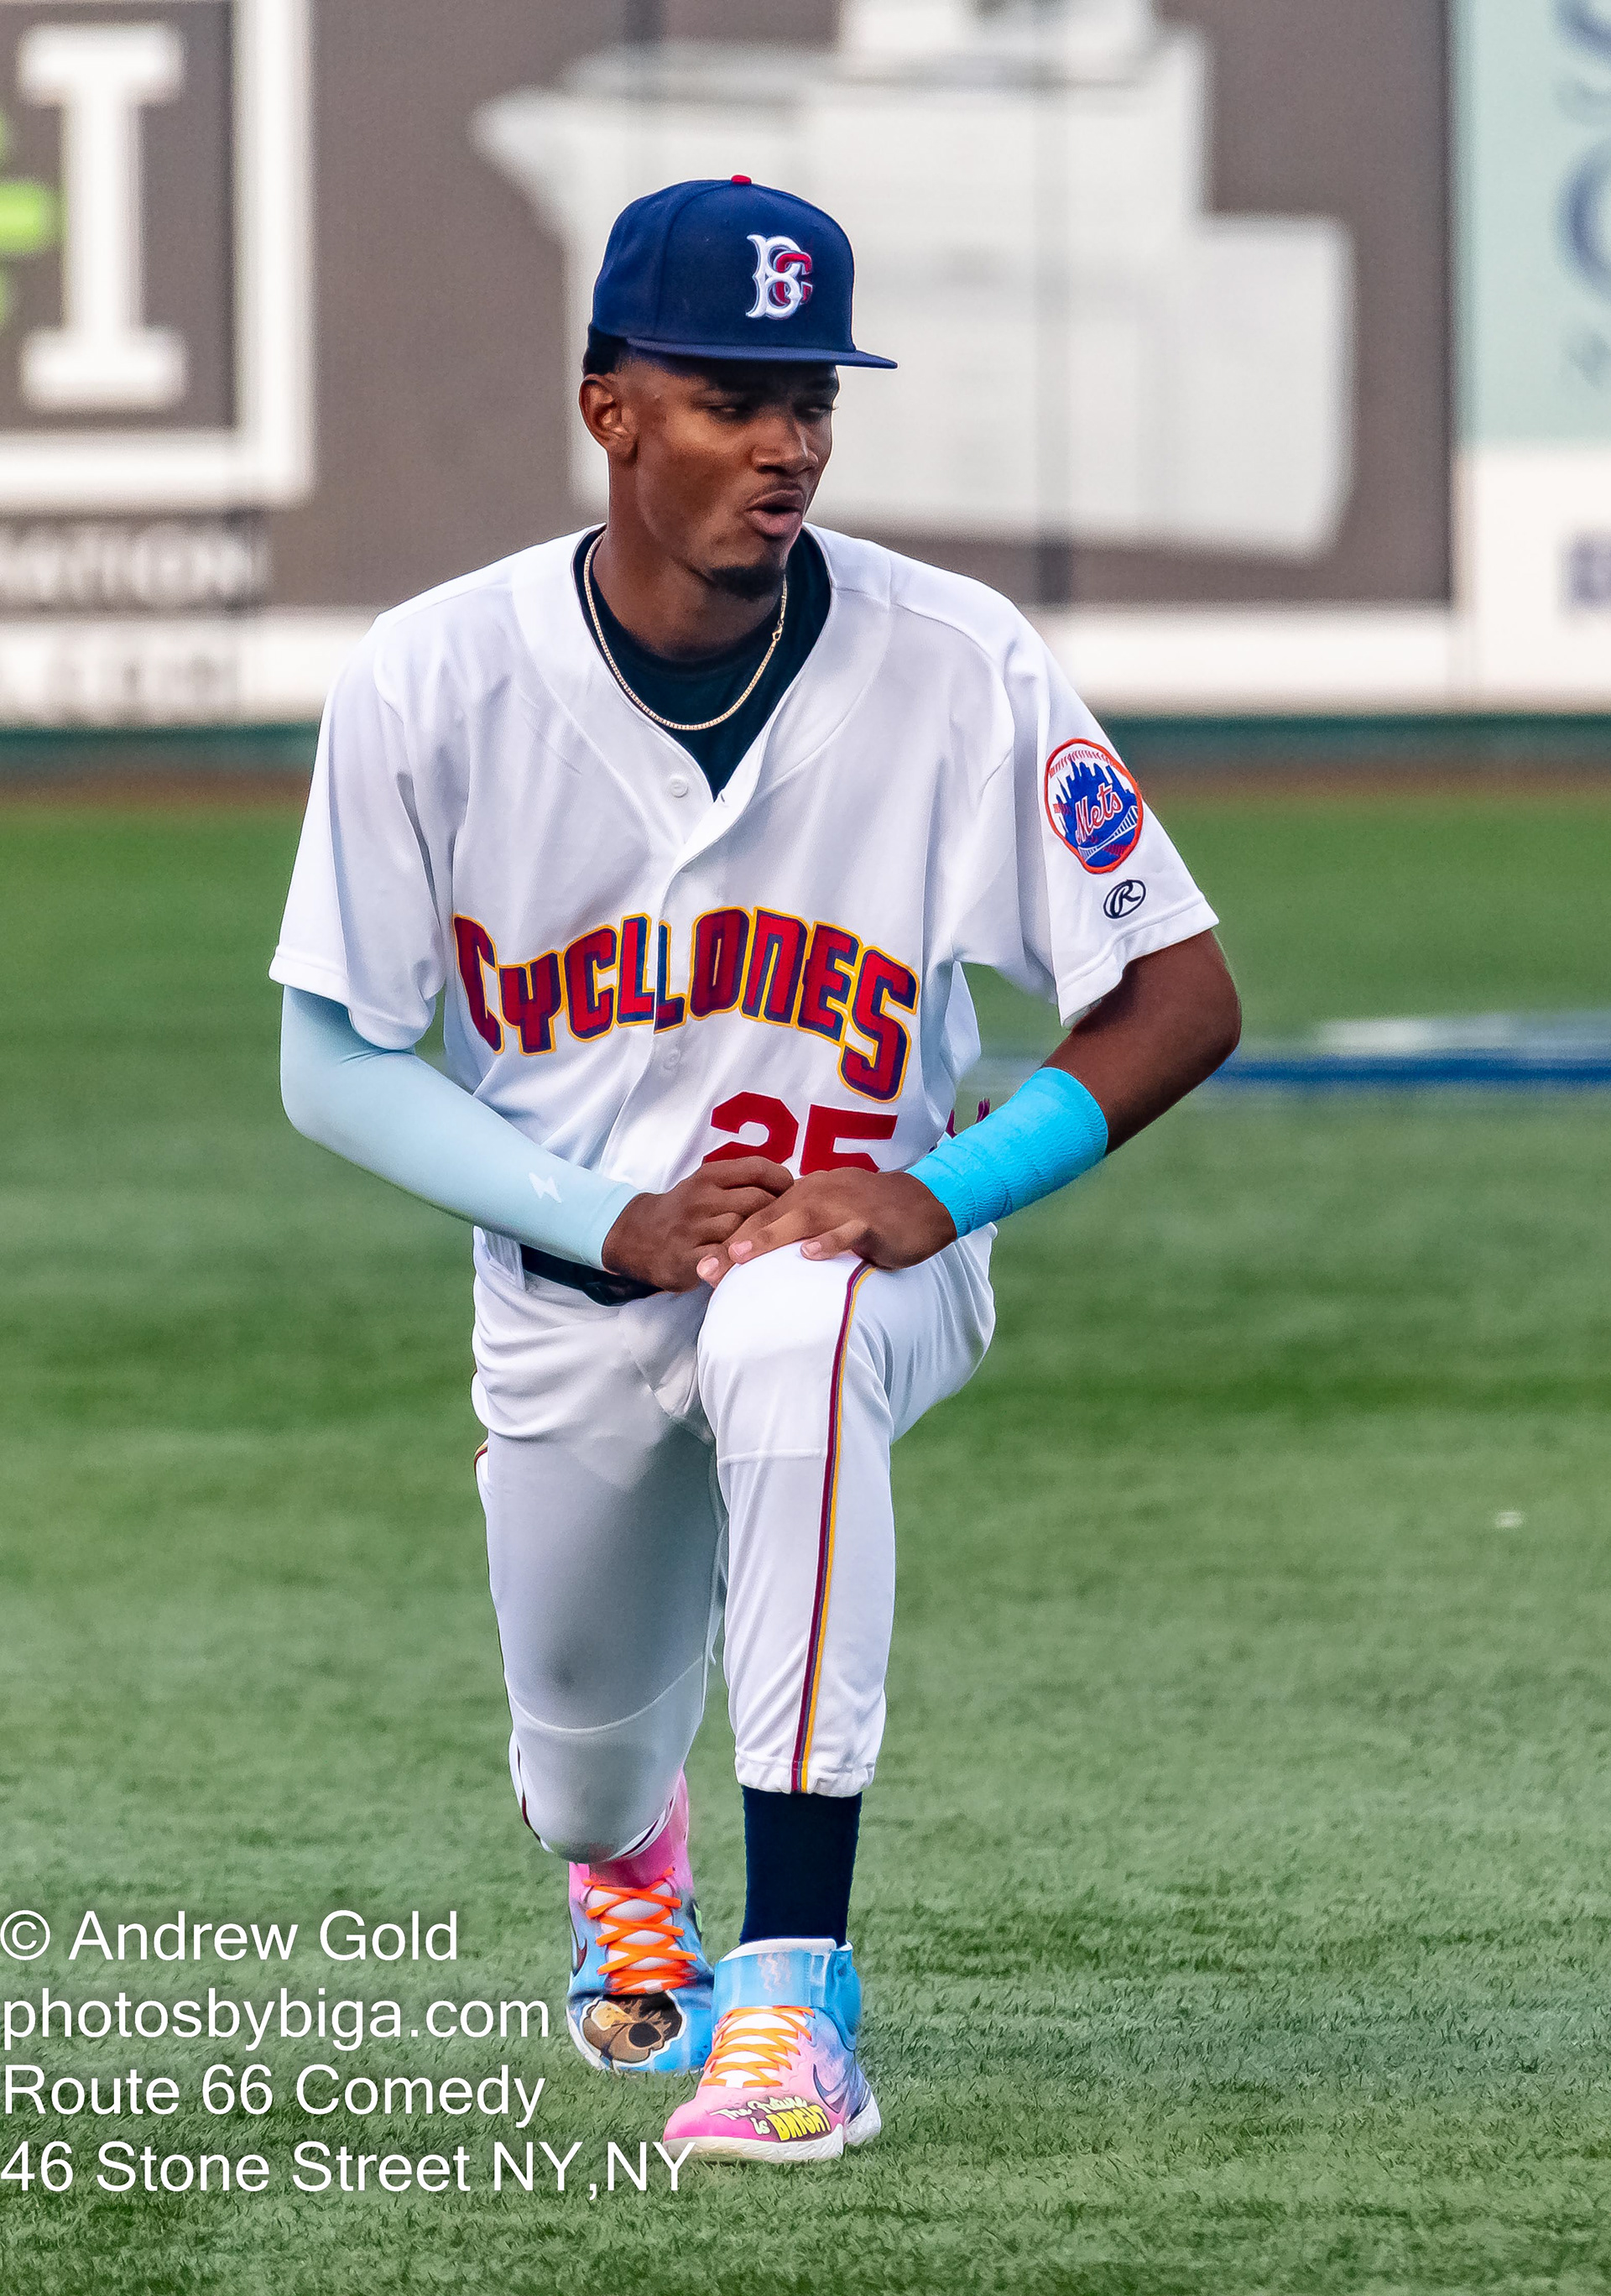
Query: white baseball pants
[{"x": 654, "y": 1468}]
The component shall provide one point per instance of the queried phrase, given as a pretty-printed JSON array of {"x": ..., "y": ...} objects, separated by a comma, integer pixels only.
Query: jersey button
[
  {"x": 678, "y": 787},
  {"x": 672, "y": 1060}
]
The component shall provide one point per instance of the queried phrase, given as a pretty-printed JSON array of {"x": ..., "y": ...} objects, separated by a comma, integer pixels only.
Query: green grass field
[{"x": 1234, "y": 1904}]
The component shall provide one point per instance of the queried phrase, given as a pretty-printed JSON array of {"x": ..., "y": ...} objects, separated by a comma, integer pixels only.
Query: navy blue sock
[{"x": 800, "y": 1854}]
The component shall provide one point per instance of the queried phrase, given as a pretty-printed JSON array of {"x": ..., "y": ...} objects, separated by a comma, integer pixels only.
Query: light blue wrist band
[{"x": 1050, "y": 1132}]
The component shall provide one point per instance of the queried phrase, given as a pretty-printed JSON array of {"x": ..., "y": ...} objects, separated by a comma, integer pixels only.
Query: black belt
[{"x": 595, "y": 1283}]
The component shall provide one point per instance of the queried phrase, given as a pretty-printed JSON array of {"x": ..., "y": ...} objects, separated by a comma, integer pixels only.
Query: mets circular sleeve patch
[{"x": 1093, "y": 805}]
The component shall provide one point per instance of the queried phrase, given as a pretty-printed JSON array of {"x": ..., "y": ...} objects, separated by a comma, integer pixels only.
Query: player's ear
[{"x": 608, "y": 416}]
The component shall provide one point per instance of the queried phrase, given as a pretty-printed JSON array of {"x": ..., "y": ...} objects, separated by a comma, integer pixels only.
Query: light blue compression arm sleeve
[
  {"x": 1050, "y": 1132},
  {"x": 395, "y": 1115}
]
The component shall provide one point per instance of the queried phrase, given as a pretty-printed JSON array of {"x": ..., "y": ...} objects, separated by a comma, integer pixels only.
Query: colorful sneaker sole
[{"x": 861, "y": 2129}]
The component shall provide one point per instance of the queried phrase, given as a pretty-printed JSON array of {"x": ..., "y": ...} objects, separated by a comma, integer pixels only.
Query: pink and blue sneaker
[
  {"x": 782, "y": 2081},
  {"x": 639, "y": 1998}
]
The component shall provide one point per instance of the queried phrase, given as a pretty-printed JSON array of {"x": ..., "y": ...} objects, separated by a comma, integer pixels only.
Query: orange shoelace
[
  {"x": 642, "y": 1947},
  {"x": 752, "y": 2046}
]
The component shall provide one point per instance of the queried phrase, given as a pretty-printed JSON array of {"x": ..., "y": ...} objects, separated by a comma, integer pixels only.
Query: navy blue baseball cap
[{"x": 730, "y": 271}]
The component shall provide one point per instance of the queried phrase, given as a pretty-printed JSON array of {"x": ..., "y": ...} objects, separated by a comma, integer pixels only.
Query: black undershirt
[{"x": 690, "y": 691}]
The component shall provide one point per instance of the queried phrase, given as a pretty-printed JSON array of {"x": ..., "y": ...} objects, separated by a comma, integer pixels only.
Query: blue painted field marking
[{"x": 1493, "y": 1051}]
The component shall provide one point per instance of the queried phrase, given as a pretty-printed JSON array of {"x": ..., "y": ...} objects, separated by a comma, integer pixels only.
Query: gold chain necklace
[{"x": 670, "y": 724}]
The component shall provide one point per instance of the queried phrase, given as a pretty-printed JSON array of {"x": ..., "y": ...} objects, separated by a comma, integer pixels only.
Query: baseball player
[{"x": 691, "y": 821}]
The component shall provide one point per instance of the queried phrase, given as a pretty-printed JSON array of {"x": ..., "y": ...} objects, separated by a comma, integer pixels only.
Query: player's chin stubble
[{"x": 751, "y": 582}]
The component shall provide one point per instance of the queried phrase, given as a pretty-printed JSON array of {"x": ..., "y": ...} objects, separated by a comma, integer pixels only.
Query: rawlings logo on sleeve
[{"x": 1093, "y": 805}]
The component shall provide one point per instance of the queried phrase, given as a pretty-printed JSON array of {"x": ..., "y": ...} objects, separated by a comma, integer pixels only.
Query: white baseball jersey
[{"x": 640, "y": 975}]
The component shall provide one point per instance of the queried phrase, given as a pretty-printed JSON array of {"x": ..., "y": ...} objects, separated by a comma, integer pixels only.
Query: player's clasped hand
[
  {"x": 886, "y": 1217},
  {"x": 665, "y": 1240}
]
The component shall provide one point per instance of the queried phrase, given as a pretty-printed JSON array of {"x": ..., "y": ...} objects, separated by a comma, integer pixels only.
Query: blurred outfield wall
[{"x": 1263, "y": 351}]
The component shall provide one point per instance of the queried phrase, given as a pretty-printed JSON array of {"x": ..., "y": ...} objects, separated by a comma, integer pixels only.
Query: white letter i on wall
[{"x": 100, "y": 75}]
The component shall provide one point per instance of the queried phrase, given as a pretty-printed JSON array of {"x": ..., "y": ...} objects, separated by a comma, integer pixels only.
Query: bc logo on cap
[
  {"x": 783, "y": 277},
  {"x": 1093, "y": 805}
]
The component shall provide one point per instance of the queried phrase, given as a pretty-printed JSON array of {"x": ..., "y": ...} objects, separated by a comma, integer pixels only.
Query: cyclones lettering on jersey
[{"x": 762, "y": 963}]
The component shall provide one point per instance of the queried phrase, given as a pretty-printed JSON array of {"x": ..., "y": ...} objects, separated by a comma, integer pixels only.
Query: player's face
[{"x": 726, "y": 461}]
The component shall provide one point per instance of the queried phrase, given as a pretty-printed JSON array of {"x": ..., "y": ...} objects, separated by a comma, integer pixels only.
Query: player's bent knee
[
  {"x": 587, "y": 1794},
  {"x": 583, "y": 1826},
  {"x": 776, "y": 1319},
  {"x": 580, "y": 1847}
]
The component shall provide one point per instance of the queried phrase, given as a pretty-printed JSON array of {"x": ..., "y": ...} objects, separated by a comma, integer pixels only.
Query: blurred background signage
[
  {"x": 1027, "y": 192},
  {"x": 155, "y": 355},
  {"x": 1534, "y": 79},
  {"x": 290, "y": 317}
]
